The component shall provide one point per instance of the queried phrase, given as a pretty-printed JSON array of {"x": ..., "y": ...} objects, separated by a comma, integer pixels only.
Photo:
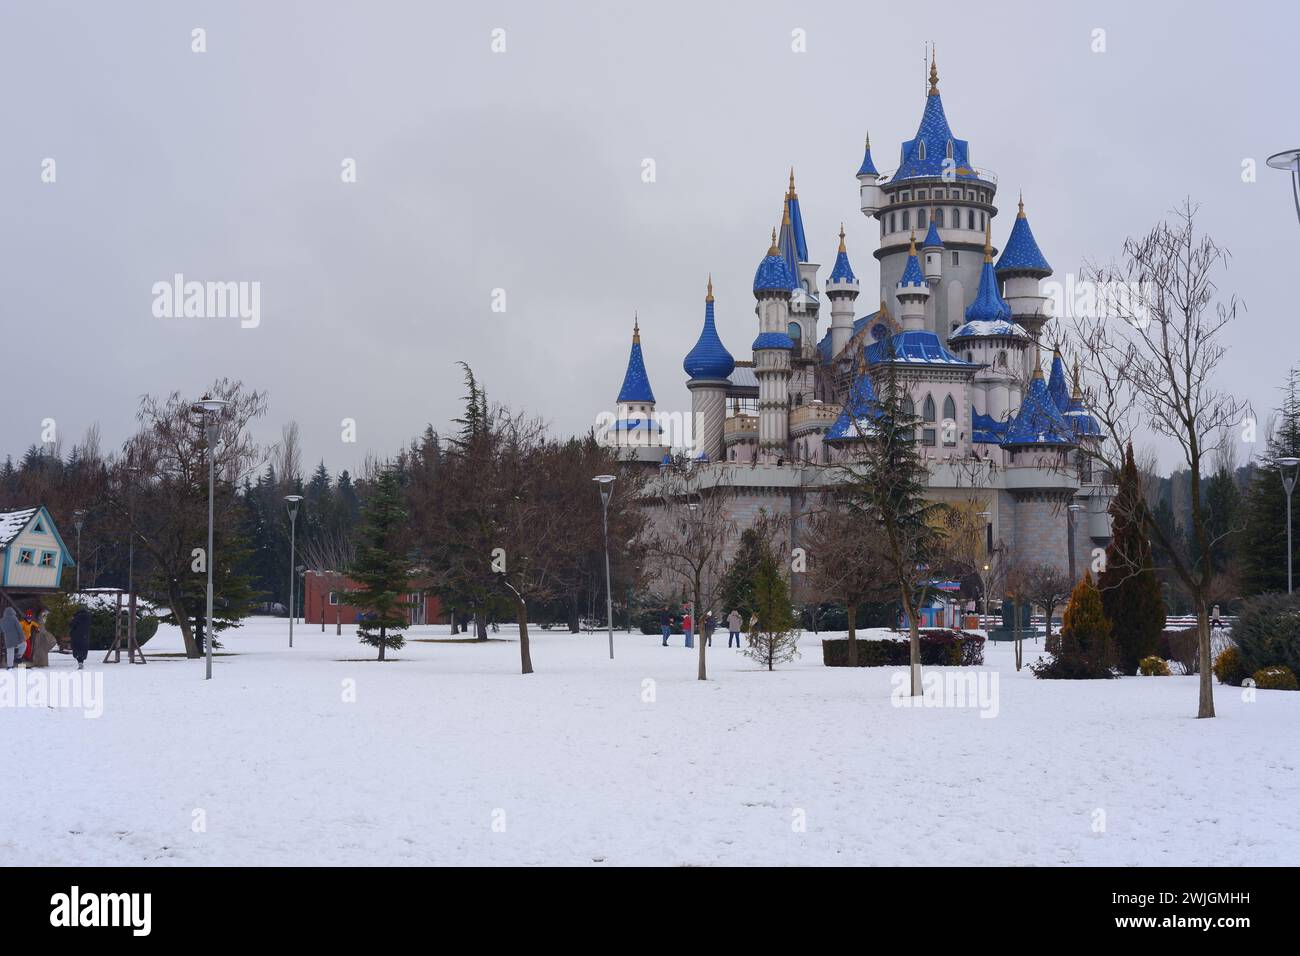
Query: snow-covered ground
[{"x": 449, "y": 756}]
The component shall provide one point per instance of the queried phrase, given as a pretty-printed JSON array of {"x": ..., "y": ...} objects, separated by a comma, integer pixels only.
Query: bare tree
[
  {"x": 846, "y": 563},
  {"x": 1049, "y": 587},
  {"x": 689, "y": 541},
  {"x": 288, "y": 456},
  {"x": 1152, "y": 350}
]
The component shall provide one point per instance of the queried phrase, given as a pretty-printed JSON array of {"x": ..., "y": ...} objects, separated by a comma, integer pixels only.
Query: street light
[
  {"x": 293, "y": 520},
  {"x": 988, "y": 548},
  {"x": 210, "y": 407},
  {"x": 1289, "y": 160},
  {"x": 604, "y": 481},
  {"x": 78, "y": 519},
  {"x": 1071, "y": 511},
  {"x": 1288, "y": 468}
]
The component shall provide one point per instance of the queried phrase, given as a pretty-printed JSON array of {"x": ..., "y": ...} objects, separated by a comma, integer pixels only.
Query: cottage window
[
  {"x": 334, "y": 598},
  {"x": 26, "y": 556},
  {"x": 47, "y": 559}
]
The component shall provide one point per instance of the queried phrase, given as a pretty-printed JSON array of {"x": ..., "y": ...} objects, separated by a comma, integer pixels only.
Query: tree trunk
[
  {"x": 525, "y": 658},
  {"x": 1206, "y": 705},
  {"x": 381, "y": 642},
  {"x": 338, "y": 621},
  {"x": 914, "y": 643},
  {"x": 853, "y": 636},
  {"x": 699, "y": 633},
  {"x": 183, "y": 620},
  {"x": 574, "y": 622},
  {"x": 480, "y": 626}
]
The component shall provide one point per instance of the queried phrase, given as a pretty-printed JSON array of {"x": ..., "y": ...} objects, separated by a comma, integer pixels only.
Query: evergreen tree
[
  {"x": 382, "y": 570},
  {"x": 773, "y": 638},
  {"x": 1086, "y": 650},
  {"x": 1131, "y": 594},
  {"x": 1263, "y": 541},
  {"x": 739, "y": 581}
]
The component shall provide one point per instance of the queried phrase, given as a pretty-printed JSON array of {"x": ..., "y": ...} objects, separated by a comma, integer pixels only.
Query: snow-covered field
[{"x": 449, "y": 756}]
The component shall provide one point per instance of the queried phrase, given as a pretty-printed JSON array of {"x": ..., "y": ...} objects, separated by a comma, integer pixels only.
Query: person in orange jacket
[{"x": 29, "y": 631}]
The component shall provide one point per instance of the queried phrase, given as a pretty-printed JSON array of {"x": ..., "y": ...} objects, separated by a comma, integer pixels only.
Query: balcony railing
[{"x": 984, "y": 175}]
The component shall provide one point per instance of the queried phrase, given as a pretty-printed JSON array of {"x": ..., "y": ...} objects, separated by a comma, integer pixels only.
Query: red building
[{"x": 324, "y": 600}]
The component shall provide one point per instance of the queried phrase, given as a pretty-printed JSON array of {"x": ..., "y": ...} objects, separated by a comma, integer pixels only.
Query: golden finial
[
  {"x": 911, "y": 247},
  {"x": 842, "y": 249},
  {"x": 774, "y": 251},
  {"x": 868, "y": 139},
  {"x": 785, "y": 216},
  {"x": 1038, "y": 365},
  {"x": 988, "y": 241},
  {"x": 792, "y": 193},
  {"x": 636, "y": 329},
  {"x": 709, "y": 295},
  {"x": 1021, "y": 214},
  {"x": 934, "y": 74},
  {"x": 1078, "y": 392}
]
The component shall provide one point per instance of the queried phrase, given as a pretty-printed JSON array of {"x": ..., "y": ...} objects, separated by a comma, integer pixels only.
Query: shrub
[
  {"x": 1152, "y": 666},
  {"x": 1268, "y": 632},
  {"x": 938, "y": 648},
  {"x": 1086, "y": 651},
  {"x": 1183, "y": 647},
  {"x": 1229, "y": 669},
  {"x": 1275, "y": 677}
]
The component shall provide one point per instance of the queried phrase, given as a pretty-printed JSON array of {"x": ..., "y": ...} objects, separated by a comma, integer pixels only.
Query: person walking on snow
[
  {"x": 733, "y": 627},
  {"x": 710, "y": 623},
  {"x": 80, "y": 634},
  {"x": 15, "y": 642},
  {"x": 686, "y": 627},
  {"x": 42, "y": 640},
  {"x": 666, "y": 624},
  {"x": 29, "y": 632}
]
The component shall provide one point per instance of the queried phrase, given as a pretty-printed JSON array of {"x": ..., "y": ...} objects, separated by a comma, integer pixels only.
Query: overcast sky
[{"x": 522, "y": 171}]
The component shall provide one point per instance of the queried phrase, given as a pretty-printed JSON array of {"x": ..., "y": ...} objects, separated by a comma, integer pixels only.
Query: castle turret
[
  {"x": 636, "y": 423},
  {"x": 869, "y": 191},
  {"x": 842, "y": 289},
  {"x": 912, "y": 292},
  {"x": 773, "y": 286},
  {"x": 708, "y": 366},
  {"x": 932, "y": 249},
  {"x": 805, "y": 304},
  {"x": 1021, "y": 267}
]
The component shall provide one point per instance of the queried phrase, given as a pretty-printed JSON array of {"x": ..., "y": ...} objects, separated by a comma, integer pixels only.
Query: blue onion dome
[
  {"x": 636, "y": 383},
  {"x": 912, "y": 274},
  {"x": 1022, "y": 256},
  {"x": 932, "y": 240},
  {"x": 1056, "y": 386},
  {"x": 842, "y": 272},
  {"x": 988, "y": 306},
  {"x": 868, "y": 168},
  {"x": 1039, "y": 421},
  {"x": 710, "y": 358},
  {"x": 773, "y": 275}
]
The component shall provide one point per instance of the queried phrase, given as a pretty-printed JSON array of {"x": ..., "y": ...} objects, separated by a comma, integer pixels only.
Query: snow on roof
[{"x": 12, "y": 524}]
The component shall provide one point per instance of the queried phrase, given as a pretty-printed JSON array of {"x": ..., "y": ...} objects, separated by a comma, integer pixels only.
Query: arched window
[
  {"x": 970, "y": 219},
  {"x": 927, "y": 409},
  {"x": 950, "y": 149},
  {"x": 949, "y": 415},
  {"x": 907, "y": 219},
  {"x": 920, "y": 150},
  {"x": 938, "y": 218},
  {"x": 956, "y": 217},
  {"x": 949, "y": 408},
  {"x": 920, "y": 219},
  {"x": 795, "y": 332},
  {"x": 1002, "y": 360}
]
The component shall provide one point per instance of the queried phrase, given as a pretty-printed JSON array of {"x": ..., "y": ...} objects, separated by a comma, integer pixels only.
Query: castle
[{"x": 963, "y": 326}]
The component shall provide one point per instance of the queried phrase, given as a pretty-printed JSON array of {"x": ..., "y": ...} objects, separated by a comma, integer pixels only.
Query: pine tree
[
  {"x": 773, "y": 638},
  {"x": 738, "y": 583},
  {"x": 1131, "y": 595},
  {"x": 382, "y": 569},
  {"x": 1087, "y": 650},
  {"x": 1263, "y": 541}
]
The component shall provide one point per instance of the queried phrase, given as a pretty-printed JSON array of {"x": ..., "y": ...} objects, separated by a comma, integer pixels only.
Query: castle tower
[
  {"x": 773, "y": 286},
  {"x": 708, "y": 367},
  {"x": 998, "y": 344},
  {"x": 842, "y": 289},
  {"x": 805, "y": 304},
  {"x": 935, "y": 173},
  {"x": 870, "y": 194},
  {"x": 913, "y": 292},
  {"x": 636, "y": 423},
  {"x": 932, "y": 249},
  {"x": 1021, "y": 267}
]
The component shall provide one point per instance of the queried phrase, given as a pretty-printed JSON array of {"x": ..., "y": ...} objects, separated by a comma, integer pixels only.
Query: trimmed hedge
[
  {"x": 939, "y": 648},
  {"x": 1153, "y": 666},
  {"x": 1275, "y": 677},
  {"x": 1229, "y": 669}
]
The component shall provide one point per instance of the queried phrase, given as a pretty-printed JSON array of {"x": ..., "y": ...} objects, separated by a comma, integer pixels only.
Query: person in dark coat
[
  {"x": 14, "y": 640},
  {"x": 79, "y": 631},
  {"x": 666, "y": 623}
]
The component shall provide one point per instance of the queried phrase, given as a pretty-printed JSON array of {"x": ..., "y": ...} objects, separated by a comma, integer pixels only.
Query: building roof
[
  {"x": 710, "y": 358},
  {"x": 932, "y": 239},
  {"x": 859, "y": 413},
  {"x": 773, "y": 275},
  {"x": 925, "y": 153},
  {"x": 987, "y": 429},
  {"x": 988, "y": 304},
  {"x": 13, "y": 522},
  {"x": 824, "y": 346},
  {"x": 796, "y": 223},
  {"x": 842, "y": 271},
  {"x": 915, "y": 347},
  {"x": 912, "y": 274},
  {"x": 636, "y": 383},
  {"x": 1022, "y": 254},
  {"x": 772, "y": 340},
  {"x": 868, "y": 167},
  {"x": 1039, "y": 421},
  {"x": 1056, "y": 386},
  {"x": 988, "y": 329}
]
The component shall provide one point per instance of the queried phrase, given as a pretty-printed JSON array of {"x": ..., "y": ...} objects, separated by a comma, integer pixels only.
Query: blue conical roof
[
  {"x": 932, "y": 240},
  {"x": 1039, "y": 421},
  {"x": 912, "y": 274},
  {"x": 988, "y": 306},
  {"x": 772, "y": 274},
  {"x": 710, "y": 358},
  {"x": 796, "y": 223},
  {"x": 1022, "y": 254},
  {"x": 1056, "y": 386},
  {"x": 636, "y": 383},
  {"x": 858, "y": 414},
  {"x": 928, "y": 152},
  {"x": 842, "y": 271},
  {"x": 868, "y": 167}
]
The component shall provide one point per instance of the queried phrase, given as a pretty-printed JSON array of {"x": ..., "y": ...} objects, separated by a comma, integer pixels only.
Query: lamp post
[
  {"x": 293, "y": 584},
  {"x": 210, "y": 408},
  {"x": 604, "y": 481},
  {"x": 1288, "y": 467},
  {"x": 78, "y": 519},
  {"x": 1070, "y": 512},
  {"x": 988, "y": 550},
  {"x": 1289, "y": 160}
]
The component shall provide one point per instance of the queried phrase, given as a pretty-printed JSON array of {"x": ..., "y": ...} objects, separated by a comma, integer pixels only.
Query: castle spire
[
  {"x": 842, "y": 249},
  {"x": 934, "y": 74},
  {"x": 988, "y": 240},
  {"x": 1078, "y": 392},
  {"x": 774, "y": 251},
  {"x": 636, "y": 329},
  {"x": 1038, "y": 364},
  {"x": 1021, "y": 213},
  {"x": 792, "y": 193},
  {"x": 708, "y": 297}
]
